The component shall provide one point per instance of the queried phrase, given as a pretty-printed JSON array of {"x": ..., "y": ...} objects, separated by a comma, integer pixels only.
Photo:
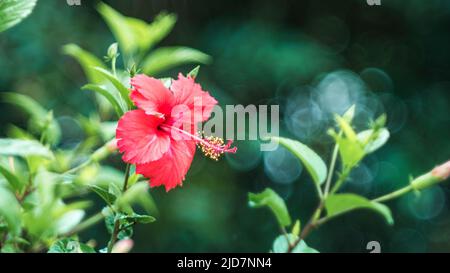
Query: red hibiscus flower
[{"x": 154, "y": 137}]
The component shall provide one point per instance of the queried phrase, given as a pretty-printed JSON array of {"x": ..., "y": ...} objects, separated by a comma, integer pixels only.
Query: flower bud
[
  {"x": 194, "y": 72},
  {"x": 442, "y": 171},
  {"x": 133, "y": 70},
  {"x": 113, "y": 51},
  {"x": 438, "y": 174}
]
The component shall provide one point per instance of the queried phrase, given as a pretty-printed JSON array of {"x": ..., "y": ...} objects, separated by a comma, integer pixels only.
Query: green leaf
[
  {"x": 9, "y": 248},
  {"x": 126, "y": 222},
  {"x": 312, "y": 162},
  {"x": 349, "y": 114},
  {"x": 114, "y": 190},
  {"x": 280, "y": 245},
  {"x": 10, "y": 210},
  {"x": 380, "y": 122},
  {"x": 125, "y": 226},
  {"x": 86, "y": 249},
  {"x": 353, "y": 147},
  {"x": 137, "y": 218},
  {"x": 13, "y": 180},
  {"x": 21, "y": 241},
  {"x": 27, "y": 104},
  {"x": 13, "y": 12},
  {"x": 373, "y": 139},
  {"x": 147, "y": 35},
  {"x": 70, "y": 245},
  {"x": 350, "y": 148},
  {"x": 46, "y": 215},
  {"x": 108, "y": 197},
  {"x": 108, "y": 96},
  {"x": 87, "y": 61},
  {"x": 13, "y": 131},
  {"x": 23, "y": 148},
  {"x": 165, "y": 58},
  {"x": 119, "y": 27},
  {"x": 124, "y": 91},
  {"x": 296, "y": 228},
  {"x": 134, "y": 34},
  {"x": 63, "y": 209},
  {"x": 338, "y": 204},
  {"x": 41, "y": 119},
  {"x": 351, "y": 152},
  {"x": 138, "y": 194},
  {"x": 133, "y": 179},
  {"x": 109, "y": 219},
  {"x": 346, "y": 128},
  {"x": 272, "y": 200},
  {"x": 68, "y": 221}
]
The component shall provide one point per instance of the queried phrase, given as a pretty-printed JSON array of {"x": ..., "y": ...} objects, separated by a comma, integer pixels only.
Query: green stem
[
  {"x": 342, "y": 177},
  {"x": 79, "y": 167},
  {"x": 42, "y": 138},
  {"x": 127, "y": 176},
  {"x": 114, "y": 235},
  {"x": 319, "y": 191},
  {"x": 316, "y": 221},
  {"x": 316, "y": 215},
  {"x": 309, "y": 227},
  {"x": 44, "y": 132},
  {"x": 116, "y": 228},
  {"x": 438, "y": 174},
  {"x": 394, "y": 194},
  {"x": 286, "y": 236},
  {"x": 113, "y": 66},
  {"x": 331, "y": 170},
  {"x": 384, "y": 198}
]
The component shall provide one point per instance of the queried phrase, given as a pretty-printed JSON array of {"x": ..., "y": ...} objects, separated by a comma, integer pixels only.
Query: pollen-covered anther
[{"x": 214, "y": 147}]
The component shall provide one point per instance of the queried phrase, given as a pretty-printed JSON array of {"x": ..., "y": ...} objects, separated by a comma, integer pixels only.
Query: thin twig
[
  {"x": 331, "y": 170},
  {"x": 394, "y": 194},
  {"x": 309, "y": 227},
  {"x": 283, "y": 230},
  {"x": 114, "y": 235},
  {"x": 116, "y": 228},
  {"x": 127, "y": 176}
]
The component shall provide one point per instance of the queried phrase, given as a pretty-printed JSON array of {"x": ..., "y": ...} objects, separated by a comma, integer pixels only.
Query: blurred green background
[{"x": 310, "y": 57}]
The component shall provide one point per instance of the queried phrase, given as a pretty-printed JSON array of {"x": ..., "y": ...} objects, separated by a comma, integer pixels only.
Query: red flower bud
[{"x": 442, "y": 171}]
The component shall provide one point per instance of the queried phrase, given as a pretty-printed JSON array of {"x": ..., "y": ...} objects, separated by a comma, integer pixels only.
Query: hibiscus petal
[
  {"x": 151, "y": 95},
  {"x": 139, "y": 139},
  {"x": 171, "y": 169},
  {"x": 189, "y": 93}
]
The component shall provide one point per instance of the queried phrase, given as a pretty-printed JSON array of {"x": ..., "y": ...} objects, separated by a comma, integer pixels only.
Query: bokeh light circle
[
  {"x": 281, "y": 166},
  {"x": 377, "y": 80},
  {"x": 427, "y": 204},
  {"x": 361, "y": 179},
  {"x": 247, "y": 158},
  {"x": 396, "y": 112},
  {"x": 338, "y": 91}
]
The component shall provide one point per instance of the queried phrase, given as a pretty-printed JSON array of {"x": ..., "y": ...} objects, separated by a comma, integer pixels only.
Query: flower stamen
[
  {"x": 214, "y": 147},
  {"x": 211, "y": 146}
]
